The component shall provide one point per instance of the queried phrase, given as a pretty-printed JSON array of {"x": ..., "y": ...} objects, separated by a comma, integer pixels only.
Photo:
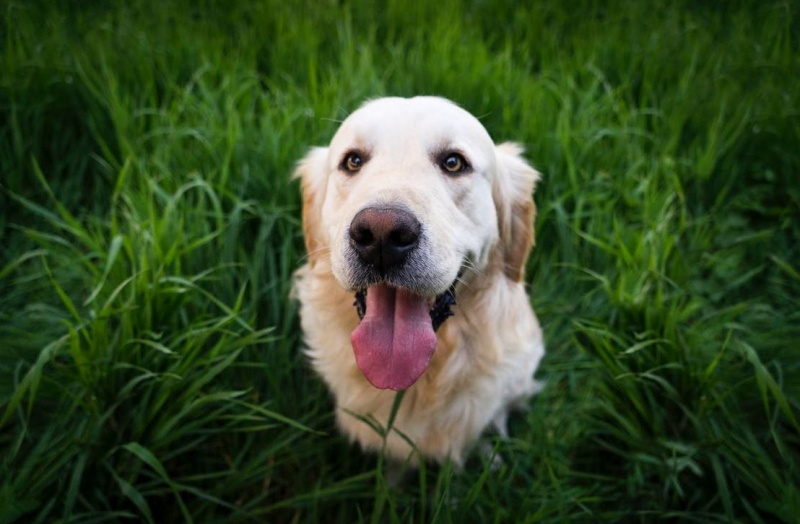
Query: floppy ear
[
  {"x": 313, "y": 175},
  {"x": 516, "y": 211}
]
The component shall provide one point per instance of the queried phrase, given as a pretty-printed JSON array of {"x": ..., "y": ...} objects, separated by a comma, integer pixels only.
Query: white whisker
[{"x": 325, "y": 250}]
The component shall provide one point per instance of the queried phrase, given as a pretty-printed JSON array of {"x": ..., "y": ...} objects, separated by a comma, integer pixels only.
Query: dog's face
[
  {"x": 423, "y": 167},
  {"x": 411, "y": 196}
]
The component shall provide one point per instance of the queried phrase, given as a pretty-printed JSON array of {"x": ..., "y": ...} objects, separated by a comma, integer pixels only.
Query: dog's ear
[
  {"x": 313, "y": 174},
  {"x": 516, "y": 211}
]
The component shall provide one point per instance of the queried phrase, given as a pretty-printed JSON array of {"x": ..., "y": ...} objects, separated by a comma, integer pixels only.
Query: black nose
[{"x": 383, "y": 236}]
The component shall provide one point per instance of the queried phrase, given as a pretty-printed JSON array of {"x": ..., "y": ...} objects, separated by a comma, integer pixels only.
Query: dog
[{"x": 418, "y": 228}]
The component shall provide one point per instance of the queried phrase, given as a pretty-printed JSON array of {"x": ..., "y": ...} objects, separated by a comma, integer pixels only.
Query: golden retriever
[{"x": 415, "y": 220}]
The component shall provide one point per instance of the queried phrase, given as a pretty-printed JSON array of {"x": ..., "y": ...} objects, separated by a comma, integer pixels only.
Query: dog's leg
[
  {"x": 518, "y": 402},
  {"x": 521, "y": 402},
  {"x": 395, "y": 473},
  {"x": 500, "y": 423},
  {"x": 495, "y": 460}
]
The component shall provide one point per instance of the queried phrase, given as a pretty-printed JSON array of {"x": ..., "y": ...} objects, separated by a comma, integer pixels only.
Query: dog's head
[{"x": 411, "y": 196}]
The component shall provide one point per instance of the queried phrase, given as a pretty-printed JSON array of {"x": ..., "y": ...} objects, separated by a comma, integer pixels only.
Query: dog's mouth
[{"x": 396, "y": 338}]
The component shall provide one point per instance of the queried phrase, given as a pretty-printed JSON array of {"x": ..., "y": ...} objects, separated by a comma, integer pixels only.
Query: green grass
[{"x": 150, "y": 364}]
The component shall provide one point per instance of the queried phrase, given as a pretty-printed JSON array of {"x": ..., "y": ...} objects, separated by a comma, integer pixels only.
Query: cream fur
[{"x": 487, "y": 353}]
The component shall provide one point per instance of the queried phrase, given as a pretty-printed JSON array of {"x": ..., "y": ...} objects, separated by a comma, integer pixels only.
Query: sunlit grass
[{"x": 150, "y": 363}]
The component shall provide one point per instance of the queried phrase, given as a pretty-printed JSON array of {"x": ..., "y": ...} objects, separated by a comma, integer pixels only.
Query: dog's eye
[
  {"x": 352, "y": 162},
  {"x": 454, "y": 163}
]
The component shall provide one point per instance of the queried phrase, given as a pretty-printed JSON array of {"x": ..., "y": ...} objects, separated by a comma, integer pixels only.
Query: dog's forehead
[{"x": 426, "y": 120}]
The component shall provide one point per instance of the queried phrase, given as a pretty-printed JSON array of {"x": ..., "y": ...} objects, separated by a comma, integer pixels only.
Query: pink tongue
[{"x": 394, "y": 342}]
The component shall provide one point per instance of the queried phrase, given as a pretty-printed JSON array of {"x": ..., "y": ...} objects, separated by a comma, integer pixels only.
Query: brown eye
[
  {"x": 352, "y": 162},
  {"x": 454, "y": 163}
]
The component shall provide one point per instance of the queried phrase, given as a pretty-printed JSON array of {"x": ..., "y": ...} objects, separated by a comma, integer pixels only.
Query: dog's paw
[{"x": 492, "y": 457}]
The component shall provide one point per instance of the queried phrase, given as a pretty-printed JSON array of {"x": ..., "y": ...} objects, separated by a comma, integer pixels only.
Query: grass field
[{"x": 150, "y": 363}]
